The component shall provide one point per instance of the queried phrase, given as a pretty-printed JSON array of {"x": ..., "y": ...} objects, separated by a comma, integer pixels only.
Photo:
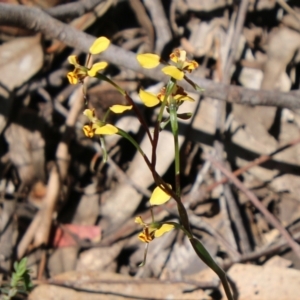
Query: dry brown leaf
[
  {"x": 87, "y": 210},
  {"x": 20, "y": 59},
  {"x": 98, "y": 259},
  {"x": 203, "y": 36},
  {"x": 68, "y": 235},
  {"x": 279, "y": 57},
  {"x": 277, "y": 261},
  {"x": 265, "y": 283},
  {"x": 250, "y": 127},
  {"x": 26, "y": 147},
  {"x": 289, "y": 183},
  {"x": 289, "y": 208}
]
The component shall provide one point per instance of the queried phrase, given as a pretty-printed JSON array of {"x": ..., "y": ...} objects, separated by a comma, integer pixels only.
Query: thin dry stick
[
  {"x": 236, "y": 37},
  {"x": 160, "y": 22},
  {"x": 73, "y": 10},
  {"x": 137, "y": 281},
  {"x": 255, "y": 201},
  {"x": 144, "y": 21},
  {"x": 232, "y": 207},
  {"x": 258, "y": 161},
  {"x": 285, "y": 6},
  {"x": 218, "y": 142},
  {"x": 264, "y": 252},
  {"x": 36, "y": 20}
]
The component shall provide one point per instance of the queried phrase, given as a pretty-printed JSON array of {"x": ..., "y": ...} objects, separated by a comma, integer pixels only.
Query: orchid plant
[{"x": 169, "y": 99}]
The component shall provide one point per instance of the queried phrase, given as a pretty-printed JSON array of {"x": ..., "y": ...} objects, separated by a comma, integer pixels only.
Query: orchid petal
[
  {"x": 72, "y": 77},
  {"x": 148, "y": 99},
  {"x": 145, "y": 238},
  {"x": 159, "y": 196},
  {"x": 118, "y": 109},
  {"x": 97, "y": 67},
  {"x": 184, "y": 116},
  {"x": 73, "y": 60},
  {"x": 173, "y": 72},
  {"x": 139, "y": 220},
  {"x": 183, "y": 98},
  {"x": 190, "y": 65},
  {"x": 107, "y": 129},
  {"x": 148, "y": 60},
  {"x": 90, "y": 113},
  {"x": 182, "y": 55},
  {"x": 163, "y": 229},
  {"x": 99, "y": 45},
  {"x": 174, "y": 58},
  {"x": 88, "y": 131}
]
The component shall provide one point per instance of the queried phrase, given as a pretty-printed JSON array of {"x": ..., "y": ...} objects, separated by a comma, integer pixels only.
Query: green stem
[
  {"x": 104, "y": 150},
  {"x": 193, "y": 84},
  {"x": 205, "y": 257},
  {"x": 157, "y": 126},
  {"x": 170, "y": 86},
  {"x": 125, "y": 135},
  {"x": 139, "y": 116},
  {"x": 169, "y": 89},
  {"x": 106, "y": 115},
  {"x": 158, "y": 180},
  {"x": 174, "y": 126},
  {"x": 105, "y": 78}
]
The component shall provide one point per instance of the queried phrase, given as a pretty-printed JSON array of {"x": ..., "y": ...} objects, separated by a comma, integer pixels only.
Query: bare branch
[
  {"x": 72, "y": 10},
  {"x": 35, "y": 19}
]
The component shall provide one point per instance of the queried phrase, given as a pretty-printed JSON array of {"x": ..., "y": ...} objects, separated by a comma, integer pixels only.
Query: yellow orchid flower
[
  {"x": 92, "y": 129},
  {"x": 80, "y": 72},
  {"x": 88, "y": 130},
  {"x": 179, "y": 95},
  {"x": 96, "y": 68},
  {"x": 151, "y": 231},
  {"x": 173, "y": 72},
  {"x": 159, "y": 196},
  {"x": 107, "y": 129},
  {"x": 90, "y": 114},
  {"x": 148, "y": 60},
  {"x": 178, "y": 57},
  {"x": 96, "y": 126},
  {"x": 119, "y": 109},
  {"x": 150, "y": 99},
  {"x": 99, "y": 45}
]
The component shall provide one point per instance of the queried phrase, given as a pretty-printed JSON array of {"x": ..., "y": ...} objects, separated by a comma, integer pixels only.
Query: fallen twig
[
  {"x": 258, "y": 161},
  {"x": 255, "y": 201},
  {"x": 73, "y": 10},
  {"x": 35, "y": 19},
  {"x": 228, "y": 205}
]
